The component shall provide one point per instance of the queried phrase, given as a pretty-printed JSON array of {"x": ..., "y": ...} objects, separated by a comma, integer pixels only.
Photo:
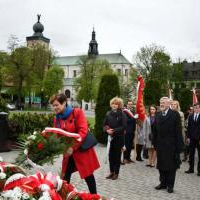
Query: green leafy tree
[
  {"x": 19, "y": 70},
  {"x": 89, "y": 77},
  {"x": 151, "y": 61},
  {"x": 53, "y": 81},
  {"x": 185, "y": 99},
  {"x": 3, "y": 69},
  {"x": 152, "y": 92},
  {"x": 108, "y": 88}
]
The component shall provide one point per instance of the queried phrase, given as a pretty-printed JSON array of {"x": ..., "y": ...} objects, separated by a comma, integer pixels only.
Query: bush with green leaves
[
  {"x": 3, "y": 107},
  {"x": 26, "y": 123},
  {"x": 108, "y": 88}
]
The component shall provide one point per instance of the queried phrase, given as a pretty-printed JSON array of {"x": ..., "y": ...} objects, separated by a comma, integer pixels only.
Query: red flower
[{"x": 40, "y": 146}]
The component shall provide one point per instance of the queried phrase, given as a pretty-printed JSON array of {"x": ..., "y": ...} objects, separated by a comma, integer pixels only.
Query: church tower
[
  {"x": 37, "y": 37},
  {"x": 93, "y": 45}
]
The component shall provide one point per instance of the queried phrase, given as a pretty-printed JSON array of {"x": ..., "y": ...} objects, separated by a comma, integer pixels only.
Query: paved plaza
[{"x": 136, "y": 181}]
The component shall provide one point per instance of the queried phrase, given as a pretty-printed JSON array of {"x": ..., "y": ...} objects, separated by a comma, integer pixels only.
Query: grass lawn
[{"x": 91, "y": 121}]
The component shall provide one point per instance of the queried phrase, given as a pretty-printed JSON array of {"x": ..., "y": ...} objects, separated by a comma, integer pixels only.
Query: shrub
[
  {"x": 26, "y": 123},
  {"x": 108, "y": 88}
]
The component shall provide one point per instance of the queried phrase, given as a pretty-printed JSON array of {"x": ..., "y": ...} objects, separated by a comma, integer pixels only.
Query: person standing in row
[
  {"x": 130, "y": 131},
  {"x": 149, "y": 129},
  {"x": 168, "y": 143},
  {"x": 115, "y": 125},
  {"x": 193, "y": 138}
]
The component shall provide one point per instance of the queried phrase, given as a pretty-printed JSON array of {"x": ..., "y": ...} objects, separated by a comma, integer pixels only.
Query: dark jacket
[
  {"x": 115, "y": 120},
  {"x": 168, "y": 140},
  {"x": 131, "y": 124},
  {"x": 193, "y": 129}
]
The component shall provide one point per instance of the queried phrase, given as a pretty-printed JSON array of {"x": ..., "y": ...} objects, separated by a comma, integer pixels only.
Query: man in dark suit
[
  {"x": 130, "y": 131},
  {"x": 168, "y": 143},
  {"x": 193, "y": 138}
]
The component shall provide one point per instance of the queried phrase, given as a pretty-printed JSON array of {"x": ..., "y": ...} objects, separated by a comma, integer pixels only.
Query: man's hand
[{"x": 188, "y": 140}]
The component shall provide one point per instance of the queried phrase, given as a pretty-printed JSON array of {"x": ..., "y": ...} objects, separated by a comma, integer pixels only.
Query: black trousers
[
  {"x": 90, "y": 180},
  {"x": 193, "y": 145},
  {"x": 128, "y": 143},
  {"x": 167, "y": 178},
  {"x": 139, "y": 151},
  {"x": 116, "y": 145}
]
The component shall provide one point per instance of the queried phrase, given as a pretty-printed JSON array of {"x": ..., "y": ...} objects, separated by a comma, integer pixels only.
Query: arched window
[{"x": 68, "y": 93}]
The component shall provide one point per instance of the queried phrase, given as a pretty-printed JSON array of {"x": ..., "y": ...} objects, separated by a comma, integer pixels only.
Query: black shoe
[
  {"x": 198, "y": 174},
  {"x": 139, "y": 159},
  {"x": 160, "y": 187},
  {"x": 170, "y": 190},
  {"x": 189, "y": 171}
]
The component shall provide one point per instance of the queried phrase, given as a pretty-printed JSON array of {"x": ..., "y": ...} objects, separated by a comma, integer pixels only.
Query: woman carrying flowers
[{"x": 73, "y": 120}]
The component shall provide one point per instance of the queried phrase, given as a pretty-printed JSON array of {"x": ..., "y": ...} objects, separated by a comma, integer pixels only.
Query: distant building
[
  {"x": 38, "y": 37},
  {"x": 71, "y": 66},
  {"x": 191, "y": 74}
]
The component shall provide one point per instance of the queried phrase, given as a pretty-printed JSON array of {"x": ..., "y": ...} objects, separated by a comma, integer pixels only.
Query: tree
[
  {"x": 185, "y": 99},
  {"x": 19, "y": 70},
  {"x": 152, "y": 61},
  {"x": 53, "y": 81},
  {"x": 152, "y": 92},
  {"x": 108, "y": 88},
  {"x": 89, "y": 77},
  {"x": 3, "y": 69}
]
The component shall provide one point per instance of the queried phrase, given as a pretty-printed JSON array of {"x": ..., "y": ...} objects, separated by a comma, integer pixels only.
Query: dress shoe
[
  {"x": 160, "y": 187},
  {"x": 130, "y": 161},
  {"x": 110, "y": 176},
  {"x": 152, "y": 165},
  {"x": 114, "y": 177},
  {"x": 148, "y": 165},
  {"x": 170, "y": 190},
  {"x": 139, "y": 159},
  {"x": 189, "y": 171},
  {"x": 198, "y": 173},
  {"x": 122, "y": 163}
]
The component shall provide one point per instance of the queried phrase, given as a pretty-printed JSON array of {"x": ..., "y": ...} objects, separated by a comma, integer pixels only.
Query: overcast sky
[{"x": 119, "y": 24}]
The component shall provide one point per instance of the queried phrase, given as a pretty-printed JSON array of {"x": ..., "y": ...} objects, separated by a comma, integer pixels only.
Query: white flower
[
  {"x": 44, "y": 187},
  {"x": 32, "y": 137},
  {"x": 2, "y": 175},
  {"x": 45, "y": 196},
  {"x": 25, "y": 196},
  {"x": 35, "y": 133},
  {"x": 1, "y": 159},
  {"x": 26, "y": 152}
]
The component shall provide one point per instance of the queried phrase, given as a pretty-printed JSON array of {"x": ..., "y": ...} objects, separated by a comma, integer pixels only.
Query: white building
[{"x": 71, "y": 66}]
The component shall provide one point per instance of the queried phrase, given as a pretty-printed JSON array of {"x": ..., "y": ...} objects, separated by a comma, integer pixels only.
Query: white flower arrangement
[
  {"x": 26, "y": 152},
  {"x": 32, "y": 137},
  {"x": 2, "y": 175},
  {"x": 1, "y": 159}
]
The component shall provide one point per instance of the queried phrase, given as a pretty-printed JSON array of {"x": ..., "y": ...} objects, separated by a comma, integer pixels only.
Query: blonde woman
[
  {"x": 176, "y": 106},
  {"x": 114, "y": 125},
  {"x": 149, "y": 129}
]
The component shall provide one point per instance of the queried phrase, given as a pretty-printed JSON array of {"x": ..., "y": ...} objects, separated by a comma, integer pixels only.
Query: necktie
[
  {"x": 196, "y": 117},
  {"x": 163, "y": 113}
]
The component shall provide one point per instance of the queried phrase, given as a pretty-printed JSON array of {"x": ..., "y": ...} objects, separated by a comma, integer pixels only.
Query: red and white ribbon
[{"x": 62, "y": 132}]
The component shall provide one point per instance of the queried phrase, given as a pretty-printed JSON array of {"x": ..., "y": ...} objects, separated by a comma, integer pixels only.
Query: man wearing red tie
[{"x": 193, "y": 138}]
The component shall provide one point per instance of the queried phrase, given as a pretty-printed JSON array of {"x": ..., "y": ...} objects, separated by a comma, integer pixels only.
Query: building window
[
  {"x": 126, "y": 72},
  {"x": 119, "y": 71},
  {"x": 74, "y": 73},
  {"x": 68, "y": 93}
]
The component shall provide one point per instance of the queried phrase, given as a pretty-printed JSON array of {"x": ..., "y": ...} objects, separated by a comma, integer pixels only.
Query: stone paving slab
[{"x": 136, "y": 181}]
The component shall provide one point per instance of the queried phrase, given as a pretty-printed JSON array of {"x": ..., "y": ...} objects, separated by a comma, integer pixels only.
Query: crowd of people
[{"x": 164, "y": 133}]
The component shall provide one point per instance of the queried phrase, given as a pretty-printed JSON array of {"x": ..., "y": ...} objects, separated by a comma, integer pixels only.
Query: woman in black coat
[{"x": 114, "y": 125}]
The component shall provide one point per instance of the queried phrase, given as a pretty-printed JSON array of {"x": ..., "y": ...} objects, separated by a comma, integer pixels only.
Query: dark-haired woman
[
  {"x": 85, "y": 162},
  {"x": 149, "y": 129}
]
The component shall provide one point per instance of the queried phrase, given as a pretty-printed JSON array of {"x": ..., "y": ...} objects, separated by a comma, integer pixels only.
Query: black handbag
[{"x": 88, "y": 142}]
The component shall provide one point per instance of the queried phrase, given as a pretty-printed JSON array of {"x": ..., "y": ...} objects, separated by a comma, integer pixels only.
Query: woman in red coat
[{"x": 85, "y": 162}]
